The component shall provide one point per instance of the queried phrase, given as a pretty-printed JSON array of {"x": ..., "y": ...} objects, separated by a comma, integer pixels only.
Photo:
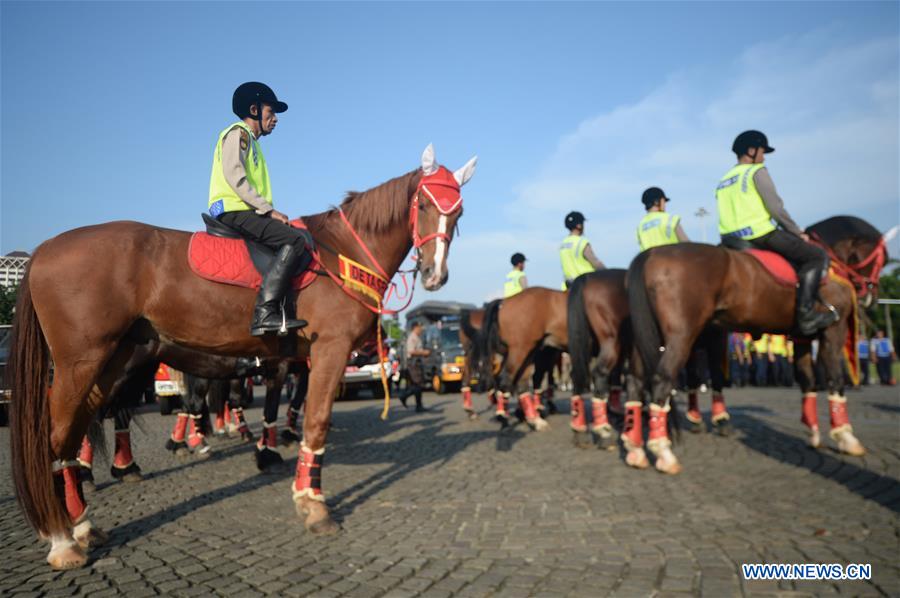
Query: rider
[
  {"x": 515, "y": 280},
  {"x": 748, "y": 204},
  {"x": 240, "y": 196},
  {"x": 575, "y": 253},
  {"x": 658, "y": 227}
]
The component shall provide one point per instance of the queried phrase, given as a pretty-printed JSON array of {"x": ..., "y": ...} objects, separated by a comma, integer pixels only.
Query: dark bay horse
[
  {"x": 471, "y": 326},
  {"x": 675, "y": 291},
  {"x": 599, "y": 331},
  {"x": 102, "y": 299}
]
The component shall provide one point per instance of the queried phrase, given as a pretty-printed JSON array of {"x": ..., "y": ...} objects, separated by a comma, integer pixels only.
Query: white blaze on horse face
[
  {"x": 465, "y": 173},
  {"x": 439, "y": 253},
  {"x": 429, "y": 165}
]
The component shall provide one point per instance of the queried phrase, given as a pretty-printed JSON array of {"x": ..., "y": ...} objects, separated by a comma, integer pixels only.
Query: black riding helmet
[
  {"x": 749, "y": 139},
  {"x": 573, "y": 219},
  {"x": 653, "y": 195},
  {"x": 517, "y": 258},
  {"x": 253, "y": 92}
]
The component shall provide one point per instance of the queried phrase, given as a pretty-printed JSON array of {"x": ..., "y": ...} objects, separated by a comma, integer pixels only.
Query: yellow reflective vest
[
  {"x": 657, "y": 228},
  {"x": 513, "y": 285},
  {"x": 571, "y": 257},
  {"x": 222, "y": 198},
  {"x": 742, "y": 212}
]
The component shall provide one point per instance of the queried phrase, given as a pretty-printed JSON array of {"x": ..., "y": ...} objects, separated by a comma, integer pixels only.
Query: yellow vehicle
[{"x": 444, "y": 366}]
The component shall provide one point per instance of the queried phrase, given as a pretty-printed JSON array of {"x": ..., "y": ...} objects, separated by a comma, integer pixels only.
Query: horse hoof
[
  {"x": 605, "y": 440},
  {"x": 289, "y": 437},
  {"x": 815, "y": 439},
  {"x": 246, "y": 437},
  {"x": 520, "y": 414},
  {"x": 70, "y": 556},
  {"x": 667, "y": 462},
  {"x": 581, "y": 439},
  {"x": 539, "y": 424},
  {"x": 471, "y": 415},
  {"x": 219, "y": 434},
  {"x": 850, "y": 444},
  {"x": 723, "y": 427},
  {"x": 696, "y": 427},
  {"x": 318, "y": 521},
  {"x": 637, "y": 458},
  {"x": 130, "y": 473},
  {"x": 87, "y": 536},
  {"x": 267, "y": 459},
  {"x": 178, "y": 447}
]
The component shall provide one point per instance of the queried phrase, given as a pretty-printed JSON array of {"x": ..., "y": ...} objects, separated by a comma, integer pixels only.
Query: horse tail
[
  {"x": 473, "y": 354},
  {"x": 489, "y": 341},
  {"x": 646, "y": 338},
  {"x": 581, "y": 337},
  {"x": 29, "y": 370}
]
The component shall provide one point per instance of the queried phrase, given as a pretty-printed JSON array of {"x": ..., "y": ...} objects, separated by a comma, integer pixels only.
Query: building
[{"x": 12, "y": 268}]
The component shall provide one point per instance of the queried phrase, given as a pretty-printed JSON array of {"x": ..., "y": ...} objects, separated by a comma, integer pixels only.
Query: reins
[{"x": 852, "y": 272}]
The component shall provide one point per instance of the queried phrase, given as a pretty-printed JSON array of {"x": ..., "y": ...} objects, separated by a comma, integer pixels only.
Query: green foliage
[
  {"x": 393, "y": 329},
  {"x": 7, "y": 303},
  {"x": 889, "y": 288}
]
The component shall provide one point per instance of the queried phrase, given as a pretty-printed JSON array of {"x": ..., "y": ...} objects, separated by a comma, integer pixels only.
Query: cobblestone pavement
[{"x": 434, "y": 505}]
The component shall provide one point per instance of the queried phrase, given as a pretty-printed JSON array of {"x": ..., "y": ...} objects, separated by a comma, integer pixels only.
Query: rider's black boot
[
  {"x": 810, "y": 321},
  {"x": 268, "y": 315}
]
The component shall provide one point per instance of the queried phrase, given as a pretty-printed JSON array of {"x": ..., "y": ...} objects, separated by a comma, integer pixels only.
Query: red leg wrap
[
  {"x": 220, "y": 421},
  {"x": 810, "y": 417},
  {"x": 633, "y": 431},
  {"x": 240, "y": 420},
  {"x": 527, "y": 402},
  {"x": 226, "y": 412},
  {"x": 579, "y": 421},
  {"x": 467, "y": 398},
  {"x": 615, "y": 399},
  {"x": 693, "y": 412},
  {"x": 839, "y": 416},
  {"x": 86, "y": 455},
  {"x": 180, "y": 428},
  {"x": 195, "y": 437},
  {"x": 492, "y": 397},
  {"x": 718, "y": 407},
  {"x": 269, "y": 436},
  {"x": 657, "y": 425},
  {"x": 68, "y": 490},
  {"x": 123, "y": 457},
  {"x": 598, "y": 413},
  {"x": 308, "y": 478},
  {"x": 502, "y": 403}
]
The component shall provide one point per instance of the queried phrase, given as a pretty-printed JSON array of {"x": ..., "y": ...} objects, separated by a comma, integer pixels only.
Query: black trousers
[
  {"x": 803, "y": 256},
  {"x": 268, "y": 231}
]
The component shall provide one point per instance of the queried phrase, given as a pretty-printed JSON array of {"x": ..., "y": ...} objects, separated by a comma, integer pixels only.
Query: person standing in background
[
  {"x": 884, "y": 356},
  {"x": 863, "y": 345}
]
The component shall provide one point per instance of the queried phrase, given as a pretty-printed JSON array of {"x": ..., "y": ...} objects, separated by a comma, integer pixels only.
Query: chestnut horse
[
  {"x": 101, "y": 300},
  {"x": 675, "y": 291}
]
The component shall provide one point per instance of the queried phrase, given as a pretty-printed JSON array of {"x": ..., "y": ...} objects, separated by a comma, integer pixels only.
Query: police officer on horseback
[
  {"x": 516, "y": 282},
  {"x": 240, "y": 196},
  {"x": 575, "y": 254},
  {"x": 658, "y": 227},
  {"x": 752, "y": 213}
]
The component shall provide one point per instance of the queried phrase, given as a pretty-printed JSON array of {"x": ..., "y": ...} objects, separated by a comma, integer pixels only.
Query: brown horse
[
  {"x": 599, "y": 331},
  {"x": 94, "y": 299},
  {"x": 675, "y": 291}
]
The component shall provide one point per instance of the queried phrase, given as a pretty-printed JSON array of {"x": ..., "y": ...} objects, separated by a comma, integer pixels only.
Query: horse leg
[
  {"x": 196, "y": 440},
  {"x": 632, "y": 429},
  {"x": 267, "y": 456},
  {"x": 604, "y": 435},
  {"x": 805, "y": 375},
  {"x": 326, "y": 371},
  {"x": 716, "y": 352},
  {"x": 235, "y": 395},
  {"x": 675, "y": 354},
  {"x": 694, "y": 416},
  {"x": 290, "y": 436},
  {"x": 124, "y": 467},
  {"x": 527, "y": 400},
  {"x": 86, "y": 463},
  {"x": 831, "y": 351}
]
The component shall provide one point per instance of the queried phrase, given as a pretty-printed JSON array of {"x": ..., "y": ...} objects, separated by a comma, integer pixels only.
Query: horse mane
[
  {"x": 838, "y": 228},
  {"x": 377, "y": 210}
]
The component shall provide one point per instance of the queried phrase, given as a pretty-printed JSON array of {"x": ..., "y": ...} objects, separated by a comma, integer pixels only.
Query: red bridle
[
  {"x": 442, "y": 190},
  {"x": 853, "y": 272}
]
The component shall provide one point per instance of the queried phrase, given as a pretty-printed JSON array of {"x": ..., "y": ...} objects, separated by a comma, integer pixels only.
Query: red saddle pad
[
  {"x": 777, "y": 266},
  {"x": 228, "y": 261}
]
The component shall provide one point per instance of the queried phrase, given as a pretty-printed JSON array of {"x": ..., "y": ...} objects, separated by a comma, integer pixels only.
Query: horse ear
[
  {"x": 428, "y": 164},
  {"x": 889, "y": 236},
  {"x": 465, "y": 173}
]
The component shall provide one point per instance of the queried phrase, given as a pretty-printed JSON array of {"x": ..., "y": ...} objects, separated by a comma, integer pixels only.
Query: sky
[{"x": 110, "y": 111}]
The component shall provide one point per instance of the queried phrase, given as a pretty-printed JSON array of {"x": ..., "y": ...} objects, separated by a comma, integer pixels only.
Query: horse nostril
[{"x": 427, "y": 272}]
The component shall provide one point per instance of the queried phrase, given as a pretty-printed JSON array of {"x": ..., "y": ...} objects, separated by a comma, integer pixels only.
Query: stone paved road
[{"x": 434, "y": 505}]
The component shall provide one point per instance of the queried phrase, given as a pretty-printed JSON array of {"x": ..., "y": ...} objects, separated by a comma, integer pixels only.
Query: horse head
[{"x": 436, "y": 207}]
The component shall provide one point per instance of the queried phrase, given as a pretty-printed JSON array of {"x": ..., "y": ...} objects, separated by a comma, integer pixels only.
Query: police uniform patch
[{"x": 245, "y": 140}]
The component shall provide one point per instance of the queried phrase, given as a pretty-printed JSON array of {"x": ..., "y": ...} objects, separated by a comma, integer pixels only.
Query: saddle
[
  {"x": 779, "y": 268},
  {"x": 221, "y": 254}
]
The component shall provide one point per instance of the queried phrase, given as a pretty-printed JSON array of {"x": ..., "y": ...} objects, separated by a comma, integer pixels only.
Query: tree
[
  {"x": 7, "y": 303},
  {"x": 888, "y": 288}
]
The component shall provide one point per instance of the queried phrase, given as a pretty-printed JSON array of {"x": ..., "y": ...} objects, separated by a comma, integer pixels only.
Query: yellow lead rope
[{"x": 384, "y": 378}]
